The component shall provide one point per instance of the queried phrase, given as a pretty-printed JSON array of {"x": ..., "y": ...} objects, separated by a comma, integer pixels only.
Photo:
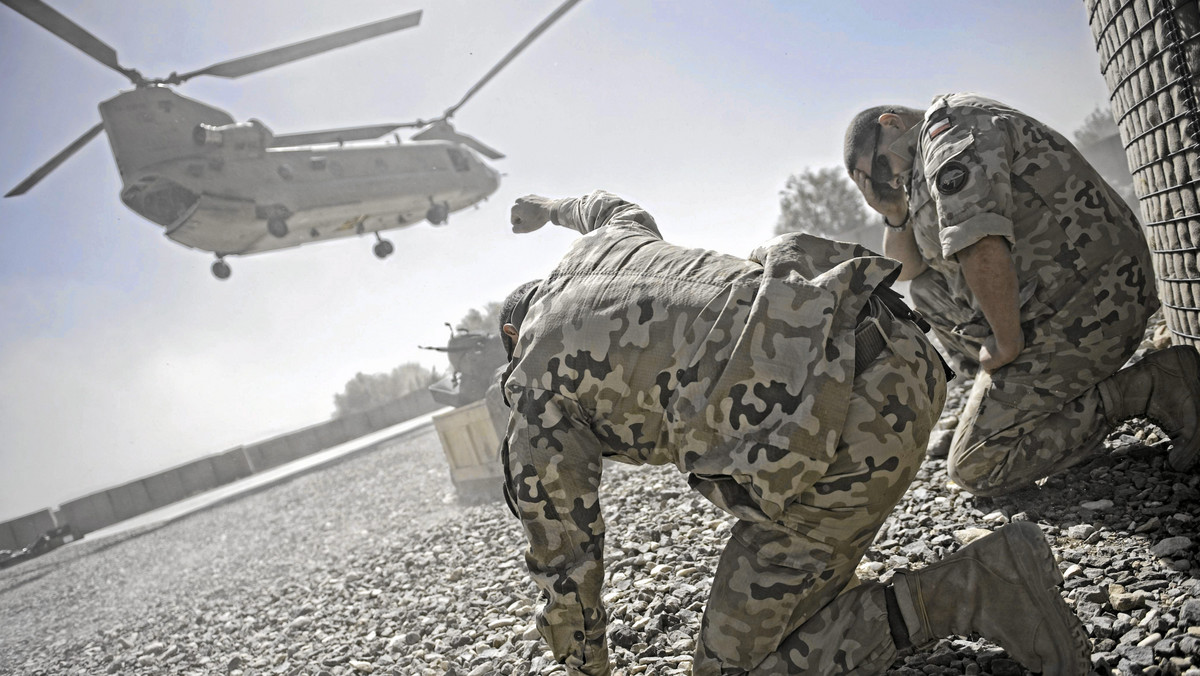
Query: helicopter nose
[{"x": 491, "y": 178}]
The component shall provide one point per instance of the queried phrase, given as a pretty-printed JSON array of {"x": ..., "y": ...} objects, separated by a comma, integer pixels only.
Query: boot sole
[
  {"x": 1183, "y": 458},
  {"x": 1040, "y": 573}
]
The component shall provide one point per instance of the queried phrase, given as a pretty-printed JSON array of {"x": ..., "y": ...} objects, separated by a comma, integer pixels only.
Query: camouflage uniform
[
  {"x": 742, "y": 374},
  {"x": 1083, "y": 269}
]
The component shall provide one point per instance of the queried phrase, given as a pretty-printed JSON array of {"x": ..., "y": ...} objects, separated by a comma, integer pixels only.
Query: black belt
[{"x": 885, "y": 305}]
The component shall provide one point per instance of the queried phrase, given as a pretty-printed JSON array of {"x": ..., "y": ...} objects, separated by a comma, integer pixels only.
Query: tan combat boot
[
  {"x": 1002, "y": 587},
  {"x": 1164, "y": 387}
]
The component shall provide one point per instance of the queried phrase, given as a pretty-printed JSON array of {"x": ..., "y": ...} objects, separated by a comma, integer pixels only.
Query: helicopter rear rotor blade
[
  {"x": 546, "y": 23},
  {"x": 294, "y": 52},
  {"x": 55, "y": 161},
  {"x": 50, "y": 19}
]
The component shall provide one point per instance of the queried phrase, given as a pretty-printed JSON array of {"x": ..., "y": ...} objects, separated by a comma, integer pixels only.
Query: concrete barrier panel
[
  {"x": 231, "y": 466},
  {"x": 305, "y": 442},
  {"x": 165, "y": 487},
  {"x": 270, "y": 453},
  {"x": 89, "y": 513},
  {"x": 199, "y": 476},
  {"x": 331, "y": 433},
  {"x": 130, "y": 500},
  {"x": 414, "y": 404},
  {"x": 23, "y": 530},
  {"x": 356, "y": 425},
  {"x": 7, "y": 539}
]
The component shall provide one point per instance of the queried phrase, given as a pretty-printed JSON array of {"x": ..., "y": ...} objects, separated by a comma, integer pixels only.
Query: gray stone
[
  {"x": 1171, "y": 547},
  {"x": 1081, "y": 532}
]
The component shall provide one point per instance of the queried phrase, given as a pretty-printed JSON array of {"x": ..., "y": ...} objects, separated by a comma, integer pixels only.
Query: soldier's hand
[
  {"x": 893, "y": 206},
  {"x": 993, "y": 355},
  {"x": 530, "y": 213}
]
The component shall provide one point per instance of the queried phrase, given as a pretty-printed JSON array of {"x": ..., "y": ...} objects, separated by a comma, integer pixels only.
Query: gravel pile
[{"x": 372, "y": 567}]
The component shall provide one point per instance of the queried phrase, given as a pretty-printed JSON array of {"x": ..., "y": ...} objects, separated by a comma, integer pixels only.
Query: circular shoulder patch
[{"x": 952, "y": 177}]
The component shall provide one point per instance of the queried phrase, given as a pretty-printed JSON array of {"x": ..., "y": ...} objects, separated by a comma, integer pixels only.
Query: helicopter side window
[{"x": 458, "y": 159}]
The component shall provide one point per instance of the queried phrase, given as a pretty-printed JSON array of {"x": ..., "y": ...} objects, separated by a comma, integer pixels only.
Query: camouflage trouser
[
  {"x": 785, "y": 598},
  {"x": 1041, "y": 413}
]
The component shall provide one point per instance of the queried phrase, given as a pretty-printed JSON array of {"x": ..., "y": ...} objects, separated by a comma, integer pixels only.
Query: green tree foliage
[
  {"x": 367, "y": 391},
  {"x": 826, "y": 203}
]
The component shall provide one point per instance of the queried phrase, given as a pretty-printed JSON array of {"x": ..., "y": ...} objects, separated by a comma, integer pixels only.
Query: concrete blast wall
[{"x": 98, "y": 510}]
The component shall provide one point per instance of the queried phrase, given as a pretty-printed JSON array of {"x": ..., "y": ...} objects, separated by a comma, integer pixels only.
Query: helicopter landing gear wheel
[
  {"x": 438, "y": 213},
  {"x": 220, "y": 269},
  {"x": 277, "y": 227},
  {"x": 383, "y": 248}
]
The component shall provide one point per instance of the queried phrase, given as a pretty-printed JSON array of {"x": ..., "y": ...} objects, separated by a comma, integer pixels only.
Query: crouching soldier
[{"x": 797, "y": 392}]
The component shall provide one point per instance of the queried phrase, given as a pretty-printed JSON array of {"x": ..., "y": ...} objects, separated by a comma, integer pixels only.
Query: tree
[
  {"x": 827, "y": 204},
  {"x": 1100, "y": 142},
  {"x": 367, "y": 391},
  {"x": 487, "y": 321},
  {"x": 1097, "y": 126}
]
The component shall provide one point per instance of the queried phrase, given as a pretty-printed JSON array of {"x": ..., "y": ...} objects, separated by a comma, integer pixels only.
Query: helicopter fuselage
[{"x": 227, "y": 187}]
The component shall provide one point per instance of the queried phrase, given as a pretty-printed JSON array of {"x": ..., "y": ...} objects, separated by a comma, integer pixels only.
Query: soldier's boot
[
  {"x": 1164, "y": 387},
  {"x": 1004, "y": 588}
]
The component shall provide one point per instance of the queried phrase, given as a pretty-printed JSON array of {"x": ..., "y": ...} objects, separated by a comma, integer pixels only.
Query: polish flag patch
[{"x": 938, "y": 127}]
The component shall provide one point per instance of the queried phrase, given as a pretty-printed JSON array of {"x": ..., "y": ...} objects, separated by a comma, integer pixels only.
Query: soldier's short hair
[
  {"x": 861, "y": 132},
  {"x": 514, "y": 309}
]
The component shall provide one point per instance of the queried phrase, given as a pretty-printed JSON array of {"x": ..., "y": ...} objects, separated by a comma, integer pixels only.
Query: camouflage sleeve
[
  {"x": 968, "y": 161},
  {"x": 553, "y": 475},
  {"x": 594, "y": 211}
]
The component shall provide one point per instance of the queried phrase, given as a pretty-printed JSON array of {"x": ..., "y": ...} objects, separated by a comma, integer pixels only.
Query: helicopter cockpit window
[
  {"x": 458, "y": 159},
  {"x": 161, "y": 201}
]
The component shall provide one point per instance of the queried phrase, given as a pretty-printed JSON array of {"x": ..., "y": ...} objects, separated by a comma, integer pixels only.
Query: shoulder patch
[{"x": 951, "y": 177}]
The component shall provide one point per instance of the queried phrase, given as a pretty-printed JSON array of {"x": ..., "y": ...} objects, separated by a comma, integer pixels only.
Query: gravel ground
[{"x": 371, "y": 566}]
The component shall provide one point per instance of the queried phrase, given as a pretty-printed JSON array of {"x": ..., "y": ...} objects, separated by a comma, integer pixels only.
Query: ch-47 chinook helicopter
[{"x": 235, "y": 188}]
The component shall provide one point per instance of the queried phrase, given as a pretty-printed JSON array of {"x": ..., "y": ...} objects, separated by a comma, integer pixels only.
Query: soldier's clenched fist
[{"x": 530, "y": 213}]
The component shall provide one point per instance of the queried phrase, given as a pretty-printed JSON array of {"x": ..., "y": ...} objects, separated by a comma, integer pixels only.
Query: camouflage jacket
[
  {"x": 981, "y": 168},
  {"x": 737, "y": 371}
]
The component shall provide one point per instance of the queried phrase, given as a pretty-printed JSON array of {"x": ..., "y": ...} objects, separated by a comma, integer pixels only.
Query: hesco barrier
[
  {"x": 1150, "y": 57},
  {"x": 104, "y": 508}
]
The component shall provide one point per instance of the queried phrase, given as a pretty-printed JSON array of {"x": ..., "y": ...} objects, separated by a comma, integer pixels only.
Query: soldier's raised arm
[{"x": 581, "y": 214}]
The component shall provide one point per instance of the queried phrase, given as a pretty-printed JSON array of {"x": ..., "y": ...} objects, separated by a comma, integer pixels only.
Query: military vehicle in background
[
  {"x": 474, "y": 357},
  {"x": 470, "y": 434}
]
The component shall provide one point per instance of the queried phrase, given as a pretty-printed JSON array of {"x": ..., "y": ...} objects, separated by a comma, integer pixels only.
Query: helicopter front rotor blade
[
  {"x": 546, "y": 23},
  {"x": 294, "y": 52},
  {"x": 49, "y": 18},
  {"x": 444, "y": 131},
  {"x": 55, "y": 161}
]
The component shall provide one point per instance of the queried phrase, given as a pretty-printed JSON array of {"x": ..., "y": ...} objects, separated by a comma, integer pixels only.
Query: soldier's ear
[
  {"x": 510, "y": 331},
  {"x": 891, "y": 120}
]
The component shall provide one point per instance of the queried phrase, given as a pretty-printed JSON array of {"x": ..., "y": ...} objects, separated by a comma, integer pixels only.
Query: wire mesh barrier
[{"x": 1150, "y": 57}]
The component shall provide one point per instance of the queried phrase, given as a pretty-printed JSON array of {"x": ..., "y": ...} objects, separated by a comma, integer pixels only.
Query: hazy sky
[{"x": 121, "y": 355}]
